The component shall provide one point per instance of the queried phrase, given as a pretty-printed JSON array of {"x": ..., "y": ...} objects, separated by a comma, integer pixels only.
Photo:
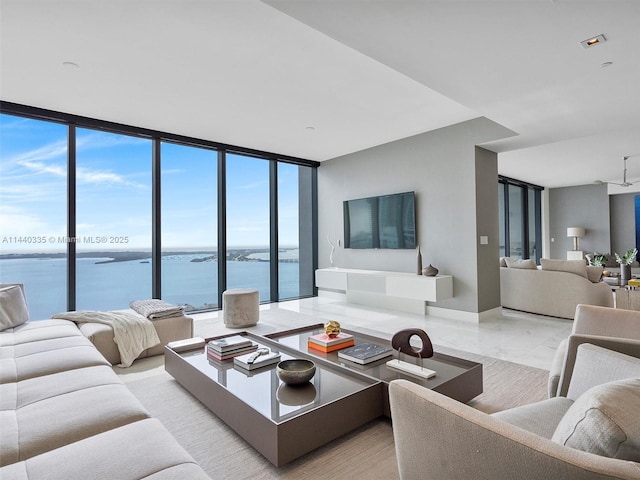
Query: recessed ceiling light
[
  {"x": 70, "y": 65},
  {"x": 606, "y": 64},
  {"x": 310, "y": 128},
  {"x": 593, "y": 41}
]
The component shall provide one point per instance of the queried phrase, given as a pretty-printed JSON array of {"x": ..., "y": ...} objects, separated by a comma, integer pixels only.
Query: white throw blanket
[
  {"x": 155, "y": 309},
  {"x": 132, "y": 333}
]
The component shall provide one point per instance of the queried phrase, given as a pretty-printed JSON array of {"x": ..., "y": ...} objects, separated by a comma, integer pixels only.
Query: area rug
[{"x": 367, "y": 452}]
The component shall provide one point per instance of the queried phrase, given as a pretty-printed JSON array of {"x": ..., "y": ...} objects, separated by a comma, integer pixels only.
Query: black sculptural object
[{"x": 400, "y": 343}]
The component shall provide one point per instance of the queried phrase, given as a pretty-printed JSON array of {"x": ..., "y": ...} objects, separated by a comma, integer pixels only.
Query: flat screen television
[{"x": 387, "y": 221}]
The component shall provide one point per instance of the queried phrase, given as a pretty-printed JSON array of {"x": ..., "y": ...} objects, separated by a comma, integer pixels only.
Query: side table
[{"x": 627, "y": 298}]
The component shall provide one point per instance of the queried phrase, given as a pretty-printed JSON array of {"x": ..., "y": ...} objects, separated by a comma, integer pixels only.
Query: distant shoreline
[{"x": 237, "y": 254}]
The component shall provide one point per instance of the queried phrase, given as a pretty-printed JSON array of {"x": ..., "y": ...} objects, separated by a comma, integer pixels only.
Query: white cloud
[
  {"x": 15, "y": 224},
  {"x": 47, "y": 152},
  {"x": 42, "y": 168},
  {"x": 92, "y": 140},
  {"x": 253, "y": 185},
  {"x": 95, "y": 176},
  {"x": 34, "y": 161}
]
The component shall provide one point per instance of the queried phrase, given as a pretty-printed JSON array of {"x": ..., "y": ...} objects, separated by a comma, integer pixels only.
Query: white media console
[{"x": 401, "y": 291}]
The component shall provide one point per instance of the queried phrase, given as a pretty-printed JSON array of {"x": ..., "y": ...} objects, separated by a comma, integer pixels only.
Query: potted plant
[
  {"x": 625, "y": 264},
  {"x": 598, "y": 260}
]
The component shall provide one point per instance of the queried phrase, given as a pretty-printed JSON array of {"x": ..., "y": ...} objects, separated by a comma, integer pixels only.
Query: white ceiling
[{"x": 361, "y": 73}]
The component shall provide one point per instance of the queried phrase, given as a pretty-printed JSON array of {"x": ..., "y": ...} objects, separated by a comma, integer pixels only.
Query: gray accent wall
[
  {"x": 584, "y": 206},
  {"x": 456, "y": 201},
  {"x": 487, "y": 225},
  {"x": 609, "y": 220}
]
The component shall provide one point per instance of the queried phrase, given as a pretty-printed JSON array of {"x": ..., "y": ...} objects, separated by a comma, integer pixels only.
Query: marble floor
[{"x": 514, "y": 336}]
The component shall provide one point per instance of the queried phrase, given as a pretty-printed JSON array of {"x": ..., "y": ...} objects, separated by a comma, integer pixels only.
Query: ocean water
[{"x": 111, "y": 286}]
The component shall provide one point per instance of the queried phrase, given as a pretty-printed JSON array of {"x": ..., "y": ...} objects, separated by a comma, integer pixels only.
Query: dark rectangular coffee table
[
  {"x": 455, "y": 377},
  {"x": 281, "y": 422}
]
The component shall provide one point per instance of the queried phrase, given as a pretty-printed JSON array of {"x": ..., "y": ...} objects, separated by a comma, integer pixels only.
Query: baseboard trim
[
  {"x": 335, "y": 294},
  {"x": 474, "y": 317}
]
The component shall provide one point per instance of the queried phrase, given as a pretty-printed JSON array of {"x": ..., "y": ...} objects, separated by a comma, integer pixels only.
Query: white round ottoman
[{"x": 240, "y": 307}]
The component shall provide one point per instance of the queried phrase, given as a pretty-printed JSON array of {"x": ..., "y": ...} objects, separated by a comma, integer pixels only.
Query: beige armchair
[
  {"x": 439, "y": 438},
  {"x": 610, "y": 328}
]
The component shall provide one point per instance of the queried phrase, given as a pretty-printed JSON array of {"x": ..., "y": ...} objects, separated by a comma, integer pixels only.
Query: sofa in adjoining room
[
  {"x": 65, "y": 414},
  {"x": 555, "y": 289}
]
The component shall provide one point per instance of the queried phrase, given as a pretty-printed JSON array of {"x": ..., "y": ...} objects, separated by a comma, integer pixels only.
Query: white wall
[{"x": 442, "y": 168}]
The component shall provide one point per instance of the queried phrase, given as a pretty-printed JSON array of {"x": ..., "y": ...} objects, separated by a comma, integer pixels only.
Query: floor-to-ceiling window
[
  {"x": 501, "y": 220},
  {"x": 516, "y": 213},
  {"x": 289, "y": 224},
  {"x": 113, "y": 220},
  {"x": 534, "y": 214},
  {"x": 189, "y": 221},
  {"x": 94, "y": 215},
  {"x": 248, "y": 224},
  {"x": 33, "y": 211},
  {"x": 520, "y": 219}
]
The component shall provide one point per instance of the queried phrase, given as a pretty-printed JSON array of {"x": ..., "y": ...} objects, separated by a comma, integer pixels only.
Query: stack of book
[
  {"x": 229, "y": 347},
  {"x": 364, "y": 353},
  {"x": 186, "y": 344},
  {"x": 326, "y": 344},
  {"x": 258, "y": 359}
]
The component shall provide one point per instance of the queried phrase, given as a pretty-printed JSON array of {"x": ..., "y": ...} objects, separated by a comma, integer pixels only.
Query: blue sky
[{"x": 114, "y": 192}]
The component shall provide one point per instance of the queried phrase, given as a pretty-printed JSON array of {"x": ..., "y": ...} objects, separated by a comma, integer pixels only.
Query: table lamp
[{"x": 576, "y": 233}]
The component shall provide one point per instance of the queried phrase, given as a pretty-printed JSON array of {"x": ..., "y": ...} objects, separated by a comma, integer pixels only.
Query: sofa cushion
[
  {"x": 579, "y": 267},
  {"x": 109, "y": 455},
  {"x": 594, "y": 274},
  {"x": 13, "y": 307},
  {"x": 595, "y": 365},
  {"x": 49, "y": 361},
  {"x": 38, "y": 331},
  {"x": 49, "y": 423},
  {"x": 20, "y": 394},
  {"x": 540, "y": 418},
  {"x": 520, "y": 263},
  {"x": 604, "y": 421}
]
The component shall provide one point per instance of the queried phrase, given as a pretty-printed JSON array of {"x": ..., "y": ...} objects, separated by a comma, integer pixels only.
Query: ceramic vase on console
[
  {"x": 625, "y": 274},
  {"x": 430, "y": 271},
  {"x": 419, "y": 260}
]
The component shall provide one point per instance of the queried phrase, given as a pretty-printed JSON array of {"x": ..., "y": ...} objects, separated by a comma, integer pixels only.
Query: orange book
[{"x": 331, "y": 348}]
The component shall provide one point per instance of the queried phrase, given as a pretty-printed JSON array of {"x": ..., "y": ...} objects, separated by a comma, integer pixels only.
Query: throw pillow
[
  {"x": 594, "y": 274},
  {"x": 604, "y": 421},
  {"x": 519, "y": 263},
  {"x": 579, "y": 267},
  {"x": 13, "y": 307},
  {"x": 503, "y": 262}
]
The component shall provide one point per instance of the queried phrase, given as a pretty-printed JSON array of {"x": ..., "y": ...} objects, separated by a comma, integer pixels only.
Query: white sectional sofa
[
  {"x": 64, "y": 413},
  {"x": 555, "y": 289}
]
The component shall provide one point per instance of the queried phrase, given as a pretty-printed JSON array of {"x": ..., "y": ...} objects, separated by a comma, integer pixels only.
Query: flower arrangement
[{"x": 628, "y": 257}]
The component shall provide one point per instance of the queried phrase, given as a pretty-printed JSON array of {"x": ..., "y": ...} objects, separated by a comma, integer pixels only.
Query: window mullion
[
  {"x": 222, "y": 225},
  {"x": 156, "y": 223},
  {"x": 71, "y": 218},
  {"x": 273, "y": 228}
]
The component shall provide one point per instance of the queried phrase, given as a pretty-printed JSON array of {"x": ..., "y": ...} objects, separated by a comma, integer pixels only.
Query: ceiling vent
[{"x": 593, "y": 41}]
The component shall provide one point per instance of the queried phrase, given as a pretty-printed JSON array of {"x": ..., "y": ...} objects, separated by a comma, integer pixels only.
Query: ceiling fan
[{"x": 624, "y": 183}]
